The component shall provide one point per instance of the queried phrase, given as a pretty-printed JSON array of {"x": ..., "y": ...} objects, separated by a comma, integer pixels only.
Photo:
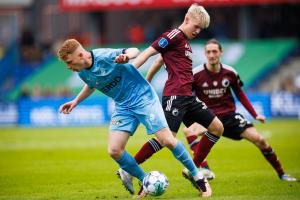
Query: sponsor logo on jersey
[
  {"x": 215, "y": 83},
  {"x": 116, "y": 122},
  {"x": 111, "y": 85},
  {"x": 163, "y": 42},
  {"x": 215, "y": 93},
  {"x": 205, "y": 84}
]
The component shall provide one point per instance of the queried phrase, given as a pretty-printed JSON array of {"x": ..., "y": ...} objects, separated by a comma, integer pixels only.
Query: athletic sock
[
  {"x": 147, "y": 150},
  {"x": 184, "y": 157},
  {"x": 272, "y": 158},
  {"x": 193, "y": 144},
  {"x": 192, "y": 141},
  {"x": 204, "y": 164},
  {"x": 203, "y": 148},
  {"x": 128, "y": 163}
]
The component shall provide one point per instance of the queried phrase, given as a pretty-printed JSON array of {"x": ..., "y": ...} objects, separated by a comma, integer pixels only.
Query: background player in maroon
[
  {"x": 178, "y": 100},
  {"x": 213, "y": 82}
]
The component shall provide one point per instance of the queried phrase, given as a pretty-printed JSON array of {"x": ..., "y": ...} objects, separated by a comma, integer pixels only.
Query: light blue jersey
[{"x": 136, "y": 101}]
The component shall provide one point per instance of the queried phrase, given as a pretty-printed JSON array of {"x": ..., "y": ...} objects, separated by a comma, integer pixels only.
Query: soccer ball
[{"x": 155, "y": 183}]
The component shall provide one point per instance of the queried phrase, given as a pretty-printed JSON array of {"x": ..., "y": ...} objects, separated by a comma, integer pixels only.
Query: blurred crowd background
[{"x": 31, "y": 30}]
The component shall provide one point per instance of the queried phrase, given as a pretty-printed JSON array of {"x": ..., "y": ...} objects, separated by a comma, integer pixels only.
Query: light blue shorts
[{"x": 128, "y": 119}]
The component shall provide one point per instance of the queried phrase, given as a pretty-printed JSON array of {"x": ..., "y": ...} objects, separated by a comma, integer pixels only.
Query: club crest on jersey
[
  {"x": 175, "y": 112},
  {"x": 163, "y": 42},
  {"x": 225, "y": 82}
]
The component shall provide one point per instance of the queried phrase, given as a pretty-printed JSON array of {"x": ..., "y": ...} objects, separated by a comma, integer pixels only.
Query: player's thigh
[
  {"x": 152, "y": 116},
  {"x": 253, "y": 136},
  {"x": 123, "y": 121},
  {"x": 117, "y": 141}
]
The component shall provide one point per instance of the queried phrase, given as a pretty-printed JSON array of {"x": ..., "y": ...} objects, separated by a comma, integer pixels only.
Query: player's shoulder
[
  {"x": 172, "y": 34},
  {"x": 229, "y": 68},
  {"x": 198, "y": 69}
]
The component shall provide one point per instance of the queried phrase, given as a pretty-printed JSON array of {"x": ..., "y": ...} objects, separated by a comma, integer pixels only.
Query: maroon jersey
[
  {"x": 177, "y": 55},
  {"x": 214, "y": 90}
]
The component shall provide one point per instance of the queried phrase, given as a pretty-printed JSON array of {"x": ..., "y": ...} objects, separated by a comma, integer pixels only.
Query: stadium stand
[{"x": 258, "y": 58}]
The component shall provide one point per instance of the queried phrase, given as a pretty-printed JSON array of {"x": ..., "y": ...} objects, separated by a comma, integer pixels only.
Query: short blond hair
[
  {"x": 199, "y": 13},
  {"x": 68, "y": 47}
]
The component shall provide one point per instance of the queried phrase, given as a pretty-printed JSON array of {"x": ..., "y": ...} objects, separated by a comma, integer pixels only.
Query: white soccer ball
[{"x": 155, "y": 183}]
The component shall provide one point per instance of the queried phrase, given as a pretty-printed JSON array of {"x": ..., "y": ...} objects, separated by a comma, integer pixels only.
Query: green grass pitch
[{"x": 72, "y": 163}]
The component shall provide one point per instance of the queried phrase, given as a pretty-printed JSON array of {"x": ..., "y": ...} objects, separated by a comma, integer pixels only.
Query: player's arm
[
  {"x": 83, "y": 94},
  {"x": 128, "y": 54},
  {"x": 246, "y": 103},
  {"x": 143, "y": 57},
  {"x": 155, "y": 67}
]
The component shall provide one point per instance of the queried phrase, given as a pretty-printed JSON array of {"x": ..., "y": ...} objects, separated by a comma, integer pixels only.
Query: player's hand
[
  {"x": 67, "y": 107},
  {"x": 122, "y": 58},
  {"x": 261, "y": 118}
]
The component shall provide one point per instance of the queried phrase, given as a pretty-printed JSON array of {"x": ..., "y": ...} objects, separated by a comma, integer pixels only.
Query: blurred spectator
[
  {"x": 36, "y": 92},
  {"x": 288, "y": 84},
  {"x": 297, "y": 82},
  {"x": 63, "y": 91},
  {"x": 219, "y": 27},
  {"x": 150, "y": 31},
  {"x": 47, "y": 92},
  {"x": 136, "y": 34},
  {"x": 25, "y": 92},
  {"x": 82, "y": 37},
  {"x": 30, "y": 53}
]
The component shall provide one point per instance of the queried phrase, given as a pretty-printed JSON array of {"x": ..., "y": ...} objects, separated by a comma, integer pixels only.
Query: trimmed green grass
[{"x": 72, "y": 163}]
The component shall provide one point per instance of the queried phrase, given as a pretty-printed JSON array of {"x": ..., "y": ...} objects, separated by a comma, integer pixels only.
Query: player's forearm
[
  {"x": 143, "y": 57},
  {"x": 155, "y": 67},
  {"x": 84, "y": 93},
  {"x": 132, "y": 52}
]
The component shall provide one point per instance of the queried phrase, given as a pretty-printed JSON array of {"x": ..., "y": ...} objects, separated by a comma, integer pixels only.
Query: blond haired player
[{"x": 178, "y": 101}]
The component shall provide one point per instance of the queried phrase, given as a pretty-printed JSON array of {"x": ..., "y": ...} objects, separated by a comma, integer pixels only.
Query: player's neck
[
  {"x": 214, "y": 68},
  {"x": 88, "y": 59}
]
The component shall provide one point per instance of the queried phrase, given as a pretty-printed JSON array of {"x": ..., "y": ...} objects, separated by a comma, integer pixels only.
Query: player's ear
[{"x": 186, "y": 19}]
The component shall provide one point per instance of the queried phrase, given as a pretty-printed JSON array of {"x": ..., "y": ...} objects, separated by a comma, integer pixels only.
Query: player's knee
[
  {"x": 169, "y": 142},
  {"x": 187, "y": 131},
  {"x": 216, "y": 127},
  {"x": 115, "y": 153},
  {"x": 262, "y": 142}
]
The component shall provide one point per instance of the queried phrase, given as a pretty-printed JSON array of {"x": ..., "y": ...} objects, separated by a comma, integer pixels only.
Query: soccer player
[
  {"x": 136, "y": 102},
  {"x": 178, "y": 100},
  {"x": 213, "y": 82}
]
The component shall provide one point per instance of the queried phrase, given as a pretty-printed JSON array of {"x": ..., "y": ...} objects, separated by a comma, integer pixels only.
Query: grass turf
[{"x": 72, "y": 163}]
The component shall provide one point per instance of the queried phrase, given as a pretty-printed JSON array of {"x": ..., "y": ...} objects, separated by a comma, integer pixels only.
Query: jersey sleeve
[
  {"x": 240, "y": 94},
  {"x": 84, "y": 79},
  {"x": 165, "y": 41}
]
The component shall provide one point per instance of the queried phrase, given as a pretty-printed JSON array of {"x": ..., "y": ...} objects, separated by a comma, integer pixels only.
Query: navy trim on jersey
[{"x": 92, "y": 61}]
